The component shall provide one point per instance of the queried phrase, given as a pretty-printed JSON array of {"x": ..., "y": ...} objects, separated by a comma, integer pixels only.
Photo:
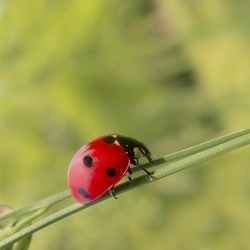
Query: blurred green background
[{"x": 169, "y": 73}]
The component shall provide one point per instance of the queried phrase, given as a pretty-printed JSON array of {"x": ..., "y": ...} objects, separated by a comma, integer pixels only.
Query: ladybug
[{"x": 103, "y": 162}]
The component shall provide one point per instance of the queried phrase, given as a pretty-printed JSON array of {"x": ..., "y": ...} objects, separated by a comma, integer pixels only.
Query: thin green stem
[
  {"x": 46, "y": 202},
  {"x": 204, "y": 155},
  {"x": 197, "y": 148},
  {"x": 23, "y": 222},
  {"x": 205, "y": 145},
  {"x": 183, "y": 159}
]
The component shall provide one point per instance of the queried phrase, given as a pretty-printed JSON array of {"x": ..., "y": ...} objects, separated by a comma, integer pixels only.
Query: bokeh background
[{"x": 169, "y": 73}]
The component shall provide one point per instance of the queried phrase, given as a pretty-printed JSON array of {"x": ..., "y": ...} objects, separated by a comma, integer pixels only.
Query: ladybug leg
[
  {"x": 136, "y": 162},
  {"x": 128, "y": 174},
  {"x": 112, "y": 192}
]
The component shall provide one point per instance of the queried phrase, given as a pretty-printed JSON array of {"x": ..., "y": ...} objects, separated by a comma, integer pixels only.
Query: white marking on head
[
  {"x": 137, "y": 153},
  {"x": 117, "y": 143}
]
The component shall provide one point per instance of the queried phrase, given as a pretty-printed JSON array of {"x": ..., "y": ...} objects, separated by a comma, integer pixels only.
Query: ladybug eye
[
  {"x": 88, "y": 161},
  {"x": 111, "y": 172}
]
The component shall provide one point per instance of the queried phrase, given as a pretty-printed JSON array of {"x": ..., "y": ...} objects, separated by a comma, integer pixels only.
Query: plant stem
[
  {"x": 46, "y": 202},
  {"x": 183, "y": 159}
]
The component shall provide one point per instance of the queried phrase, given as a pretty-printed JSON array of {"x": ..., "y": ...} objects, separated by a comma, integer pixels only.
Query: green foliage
[{"x": 169, "y": 73}]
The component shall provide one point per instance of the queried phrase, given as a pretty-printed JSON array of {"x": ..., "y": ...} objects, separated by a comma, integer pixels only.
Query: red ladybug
[{"x": 100, "y": 164}]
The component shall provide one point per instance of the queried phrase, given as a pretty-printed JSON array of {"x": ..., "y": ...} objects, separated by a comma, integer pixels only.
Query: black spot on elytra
[
  {"x": 83, "y": 193},
  {"x": 111, "y": 172},
  {"x": 109, "y": 139},
  {"x": 88, "y": 161}
]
